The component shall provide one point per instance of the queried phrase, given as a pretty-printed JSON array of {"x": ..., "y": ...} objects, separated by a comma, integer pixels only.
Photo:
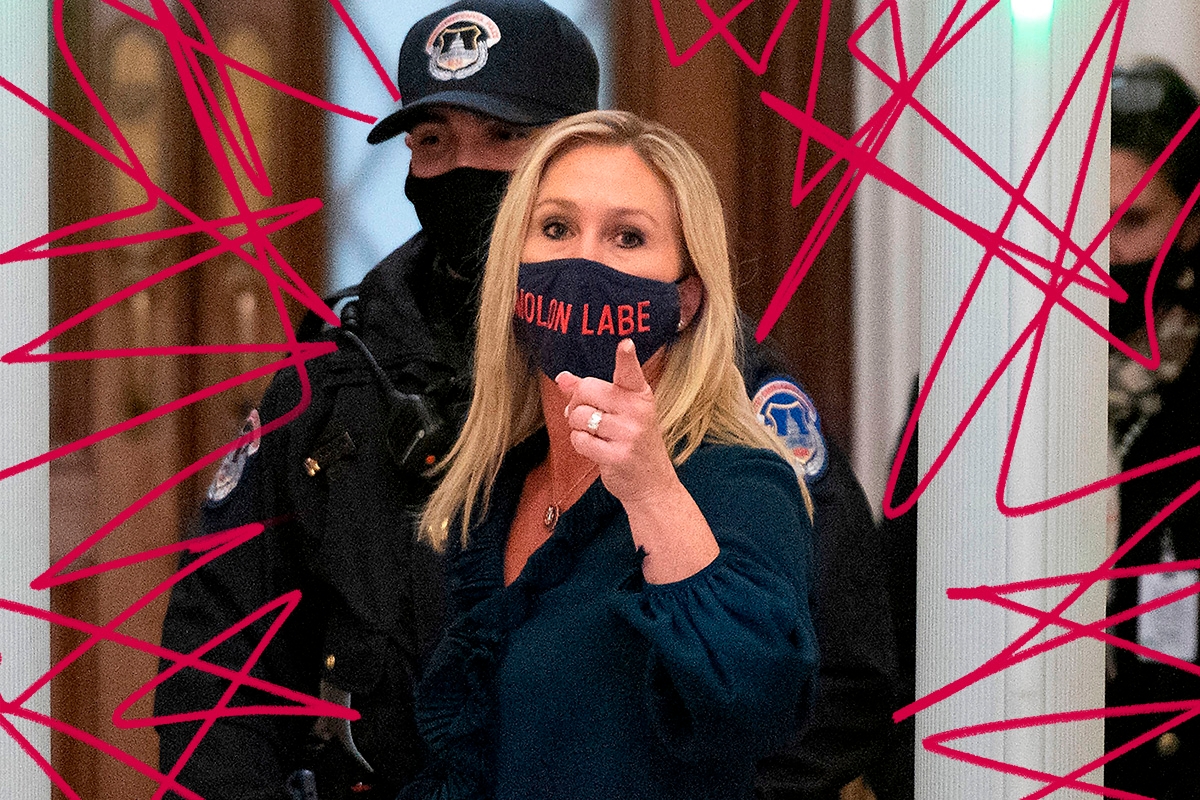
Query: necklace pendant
[{"x": 551, "y": 518}]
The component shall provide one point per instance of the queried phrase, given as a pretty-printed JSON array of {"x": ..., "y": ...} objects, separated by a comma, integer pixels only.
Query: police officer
[{"x": 339, "y": 485}]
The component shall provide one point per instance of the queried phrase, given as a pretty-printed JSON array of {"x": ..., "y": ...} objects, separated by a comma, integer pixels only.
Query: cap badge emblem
[{"x": 459, "y": 44}]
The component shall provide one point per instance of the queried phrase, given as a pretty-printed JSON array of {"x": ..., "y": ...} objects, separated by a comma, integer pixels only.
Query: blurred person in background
[{"x": 1152, "y": 415}]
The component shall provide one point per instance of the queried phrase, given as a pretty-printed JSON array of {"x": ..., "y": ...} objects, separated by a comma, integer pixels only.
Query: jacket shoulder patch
[
  {"x": 788, "y": 412},
  {"x": 234, "y": 464}
]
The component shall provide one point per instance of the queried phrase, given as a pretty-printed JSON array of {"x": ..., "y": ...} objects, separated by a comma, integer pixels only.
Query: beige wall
[{"x": 1146, "y": 35}]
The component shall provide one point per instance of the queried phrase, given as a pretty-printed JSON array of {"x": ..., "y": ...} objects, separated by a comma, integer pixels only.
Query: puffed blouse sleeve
[{"x": 732, "y": 652}]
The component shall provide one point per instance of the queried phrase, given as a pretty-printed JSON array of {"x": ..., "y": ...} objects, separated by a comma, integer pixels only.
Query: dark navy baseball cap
[{"x": 517, "y": 60}]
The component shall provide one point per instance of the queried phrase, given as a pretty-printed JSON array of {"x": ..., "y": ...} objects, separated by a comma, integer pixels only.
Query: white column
[
  {"x": 24, "y": 391},
  {"x": 887, "y": 268},
  {"x": 1146, "y": 35},
  {"x": 997, "y": 90}
]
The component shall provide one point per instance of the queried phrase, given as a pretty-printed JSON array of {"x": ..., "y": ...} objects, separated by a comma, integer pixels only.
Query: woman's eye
[
  {"x": 630, "y": 238},
  {"x": 554, "y": 230}
]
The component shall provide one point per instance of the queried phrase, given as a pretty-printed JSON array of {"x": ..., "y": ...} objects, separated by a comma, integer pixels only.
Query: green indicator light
[{"x": 1032, "y": 10}]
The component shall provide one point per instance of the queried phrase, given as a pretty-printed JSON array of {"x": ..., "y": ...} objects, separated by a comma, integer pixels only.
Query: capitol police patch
[
  {"x": 234, "y": 463},
  {"x": 459, "y": 44},
  {"x": 785, "y": 409}
]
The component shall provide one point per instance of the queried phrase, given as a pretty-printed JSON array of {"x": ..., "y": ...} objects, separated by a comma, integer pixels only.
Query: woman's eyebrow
[
  {"x": 622, "y": 212},
  {"x": 619, "y": 213},
  {"x": 557, "y": 202}
]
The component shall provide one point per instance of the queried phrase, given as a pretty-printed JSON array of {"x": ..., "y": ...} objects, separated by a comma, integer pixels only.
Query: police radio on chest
[{"x": 417, "y": 435}]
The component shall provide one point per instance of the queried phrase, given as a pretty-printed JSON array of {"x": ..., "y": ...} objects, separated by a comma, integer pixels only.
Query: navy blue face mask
[{"x": 571, "y": 313}]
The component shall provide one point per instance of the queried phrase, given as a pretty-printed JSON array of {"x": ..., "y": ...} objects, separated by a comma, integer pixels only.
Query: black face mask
[
  {"x": 457, "y": 210},
  {"x": 571, "y": 314},
  {"x": 1126, "y": 318}
]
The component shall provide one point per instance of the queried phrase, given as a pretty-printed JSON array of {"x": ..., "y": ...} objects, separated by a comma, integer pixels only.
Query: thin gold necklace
[{"x": 554, "y": 510}]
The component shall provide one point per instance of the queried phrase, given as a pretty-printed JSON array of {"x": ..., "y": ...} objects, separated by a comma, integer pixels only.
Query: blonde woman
[{"x": 627, "y": 545}]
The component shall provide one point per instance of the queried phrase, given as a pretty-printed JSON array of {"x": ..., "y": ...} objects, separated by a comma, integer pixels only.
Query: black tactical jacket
[
  {"x": 340, "y": 530},
  {"x": 1168, "y": 765},
  {"x": 849, "y": 728}
]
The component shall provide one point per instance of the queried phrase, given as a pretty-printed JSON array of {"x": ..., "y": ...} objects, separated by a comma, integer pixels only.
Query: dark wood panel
[
  {"x": 714, "y": 102},
  {"x": 232, "y": 300},
  {"x": 132, "y": 72}
]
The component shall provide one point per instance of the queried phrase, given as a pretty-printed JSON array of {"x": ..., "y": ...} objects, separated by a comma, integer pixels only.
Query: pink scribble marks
[
  {"x": 361, "y": 41},
  {"x": 1072, "y": 264},
  {"x": 233, "y": 152},
  {"x": 861, "y": 153},
  {"x": 720, "y": 27}
]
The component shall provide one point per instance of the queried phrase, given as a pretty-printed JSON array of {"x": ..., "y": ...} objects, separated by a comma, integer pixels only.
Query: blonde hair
[{"x": 700, "y": 394}]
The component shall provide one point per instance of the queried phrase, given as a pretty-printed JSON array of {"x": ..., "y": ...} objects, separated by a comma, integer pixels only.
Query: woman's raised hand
[{"x": 615, "y": 425}]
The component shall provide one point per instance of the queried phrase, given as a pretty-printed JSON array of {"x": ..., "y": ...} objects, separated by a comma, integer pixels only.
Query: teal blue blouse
[{"x": 581, "y": 681}]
